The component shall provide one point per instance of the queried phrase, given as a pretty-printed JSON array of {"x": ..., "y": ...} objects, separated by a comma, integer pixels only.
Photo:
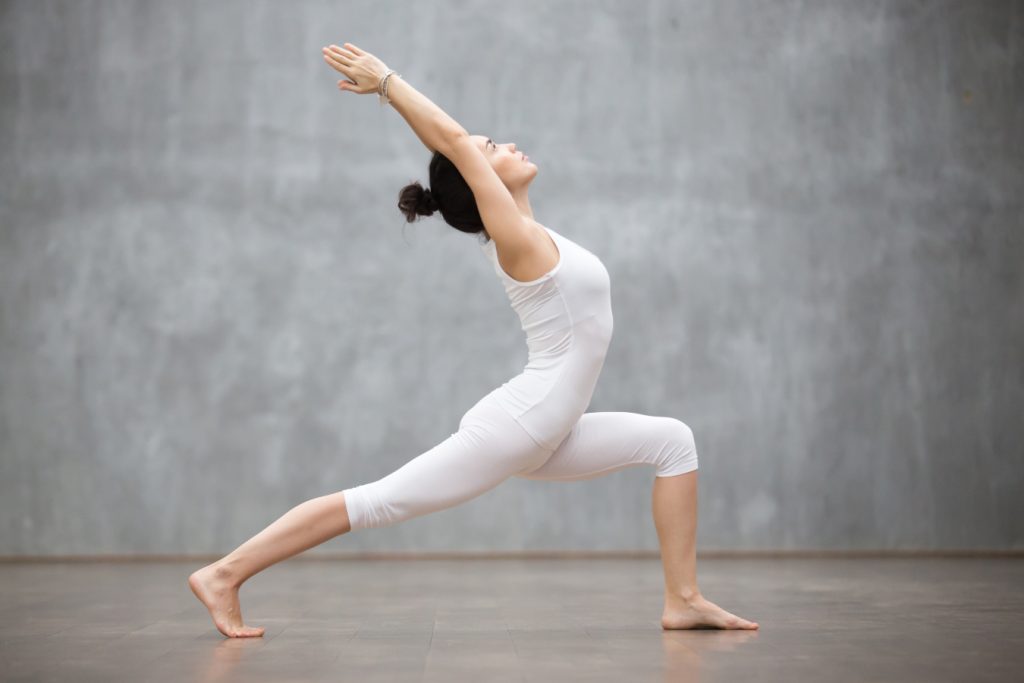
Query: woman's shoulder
[{"x": 537, "y": 256}]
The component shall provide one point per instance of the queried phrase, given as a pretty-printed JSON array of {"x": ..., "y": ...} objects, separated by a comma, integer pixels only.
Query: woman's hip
[{"x": 498, "y": 434}]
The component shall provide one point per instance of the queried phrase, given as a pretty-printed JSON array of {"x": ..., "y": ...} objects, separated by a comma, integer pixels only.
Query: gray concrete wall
[{"x": 211, "y": 310}]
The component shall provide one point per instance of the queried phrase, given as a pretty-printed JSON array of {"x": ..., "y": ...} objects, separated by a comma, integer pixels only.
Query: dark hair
[{"x": 448, "y": 192}]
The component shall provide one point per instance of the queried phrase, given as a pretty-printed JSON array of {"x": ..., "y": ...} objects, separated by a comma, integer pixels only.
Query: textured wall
[{"x": 211, "y": 310}]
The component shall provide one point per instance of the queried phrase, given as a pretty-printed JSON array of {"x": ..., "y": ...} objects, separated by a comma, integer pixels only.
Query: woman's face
[{"x": 509, "y": 163}]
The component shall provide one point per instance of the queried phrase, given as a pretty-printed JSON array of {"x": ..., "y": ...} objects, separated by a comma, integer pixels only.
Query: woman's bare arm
[
  {"x": 435, "y": 128},
  {"x": 440, "y": 132}
]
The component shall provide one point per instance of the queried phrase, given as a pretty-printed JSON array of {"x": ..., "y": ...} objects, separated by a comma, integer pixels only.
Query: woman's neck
[{"x": 522, "y": 201}]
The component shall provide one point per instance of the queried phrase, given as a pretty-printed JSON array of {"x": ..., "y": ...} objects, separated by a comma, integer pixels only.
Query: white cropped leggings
[{"x": 490, "y": 446}]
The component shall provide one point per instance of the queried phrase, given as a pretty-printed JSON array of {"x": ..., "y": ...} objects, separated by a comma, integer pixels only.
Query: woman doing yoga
[{"x": 534, "y": 426}]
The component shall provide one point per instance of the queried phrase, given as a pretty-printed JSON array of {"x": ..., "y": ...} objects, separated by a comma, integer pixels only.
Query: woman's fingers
[
  {"x": 345, "y": 59},
  {"x": 335, "y": 62},
  {"x": 337, "y": 66},
  {"x": 342, "y": 52}
]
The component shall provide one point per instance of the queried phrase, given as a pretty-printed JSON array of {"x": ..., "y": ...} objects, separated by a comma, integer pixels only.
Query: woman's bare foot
[
  {"x": 697, "y": 612},
  {"x": 216, "y": 590}
]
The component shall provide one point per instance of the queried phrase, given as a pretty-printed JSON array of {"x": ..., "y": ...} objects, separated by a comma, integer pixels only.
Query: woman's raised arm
[{"x": 435, "y": 129}]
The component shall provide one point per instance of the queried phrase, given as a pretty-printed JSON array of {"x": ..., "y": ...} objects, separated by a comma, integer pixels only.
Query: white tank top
[{"x": 567, "y": 317}]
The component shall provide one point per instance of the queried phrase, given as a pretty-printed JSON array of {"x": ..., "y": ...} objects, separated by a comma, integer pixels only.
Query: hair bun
[{"x": 415, "y": 200}]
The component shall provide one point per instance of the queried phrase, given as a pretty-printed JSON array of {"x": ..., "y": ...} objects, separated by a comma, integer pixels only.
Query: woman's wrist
[{"x": 384, "y": 83}]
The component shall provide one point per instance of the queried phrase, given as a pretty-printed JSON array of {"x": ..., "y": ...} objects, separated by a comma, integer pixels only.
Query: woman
[{"x": 535, "y": 425}]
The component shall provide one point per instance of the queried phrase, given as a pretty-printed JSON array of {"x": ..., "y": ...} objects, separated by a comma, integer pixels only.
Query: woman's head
[{"x": 451, "y": 195}]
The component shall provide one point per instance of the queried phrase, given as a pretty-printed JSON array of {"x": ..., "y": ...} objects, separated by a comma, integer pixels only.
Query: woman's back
[{"x": 567, "y": 317}]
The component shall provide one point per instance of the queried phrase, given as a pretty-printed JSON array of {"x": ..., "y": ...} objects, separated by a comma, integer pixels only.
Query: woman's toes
[{"x": 246, "y": 633}]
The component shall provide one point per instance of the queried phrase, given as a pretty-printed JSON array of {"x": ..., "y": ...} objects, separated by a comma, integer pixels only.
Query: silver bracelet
[{"x": 382, "y": 85}]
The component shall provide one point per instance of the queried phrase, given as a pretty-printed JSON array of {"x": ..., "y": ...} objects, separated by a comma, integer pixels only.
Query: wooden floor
[{"x": 518, "y": 620}]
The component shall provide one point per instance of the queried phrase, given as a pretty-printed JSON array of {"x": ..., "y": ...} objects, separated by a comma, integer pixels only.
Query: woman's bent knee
[{"x": 679, "y": 452}]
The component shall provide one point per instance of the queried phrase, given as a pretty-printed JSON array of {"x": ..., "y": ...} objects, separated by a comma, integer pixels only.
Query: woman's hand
[{"x": 362, "y": 69}]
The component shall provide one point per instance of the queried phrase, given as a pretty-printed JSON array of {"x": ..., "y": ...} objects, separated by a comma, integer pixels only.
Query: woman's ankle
[
  {"x": 227, "y": 571},
  {"x": 687, "y": 594}
]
